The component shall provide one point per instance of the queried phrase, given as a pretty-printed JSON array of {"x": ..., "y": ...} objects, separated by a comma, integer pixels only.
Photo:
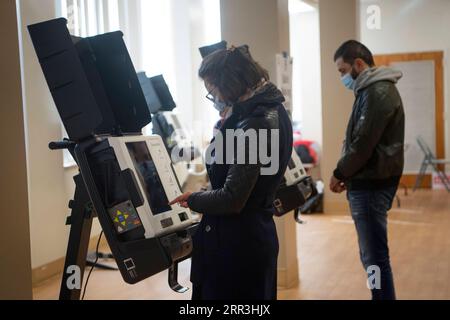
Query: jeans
[{"x": 369, "y": 212}]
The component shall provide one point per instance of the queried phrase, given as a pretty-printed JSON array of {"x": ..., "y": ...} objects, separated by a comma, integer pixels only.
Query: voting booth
[
  {"x": 166, "y": 124},
  {"x": 125, "y": 179}
]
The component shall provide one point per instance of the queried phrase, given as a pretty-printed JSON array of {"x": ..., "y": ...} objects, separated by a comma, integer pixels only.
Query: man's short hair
[{"x": 351, "y": 50}]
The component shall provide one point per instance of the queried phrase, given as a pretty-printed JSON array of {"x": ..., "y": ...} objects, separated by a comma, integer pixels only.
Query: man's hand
[
  {"x": 336, "y": 185},
  {"x": 182, "y": 200}
]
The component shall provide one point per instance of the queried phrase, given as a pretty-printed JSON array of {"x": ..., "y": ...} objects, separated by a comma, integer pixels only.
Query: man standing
[{"x": 372, "y": 159}]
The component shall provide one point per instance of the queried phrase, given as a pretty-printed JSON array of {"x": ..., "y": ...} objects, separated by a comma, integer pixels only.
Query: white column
[{"x": 337, "y": 24}]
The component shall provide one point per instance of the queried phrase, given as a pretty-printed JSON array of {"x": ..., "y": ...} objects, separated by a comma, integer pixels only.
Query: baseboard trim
[
  {"x": 409, "y": 180},
  {"x": 46, "y": 271},
  {"x": 56, "y": 267}
]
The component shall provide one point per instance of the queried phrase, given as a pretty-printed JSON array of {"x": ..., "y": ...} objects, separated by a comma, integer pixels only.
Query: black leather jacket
[
  {"x": 373, "y": 153},
  {"x": 236, "y": 245},
  {"x": 243, "y": 186}
]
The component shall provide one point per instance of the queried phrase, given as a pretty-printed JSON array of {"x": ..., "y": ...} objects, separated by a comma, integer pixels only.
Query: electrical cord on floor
[{"x": 93, "y": 266}]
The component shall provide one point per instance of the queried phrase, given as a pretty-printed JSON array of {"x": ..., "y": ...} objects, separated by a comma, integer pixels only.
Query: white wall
[
  {"x": 305, "y": 49},
  {"x": 412, "y": 26}
]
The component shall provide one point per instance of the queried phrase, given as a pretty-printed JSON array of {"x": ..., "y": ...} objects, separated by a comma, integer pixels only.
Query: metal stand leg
[
  {"x": 298, "y": 216},
  {"x": 173, "y": 280},
  {"x": 80, "y": 221}
]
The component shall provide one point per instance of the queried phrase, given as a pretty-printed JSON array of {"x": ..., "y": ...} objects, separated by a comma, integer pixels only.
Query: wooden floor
[{"x": 419, "y": 235}]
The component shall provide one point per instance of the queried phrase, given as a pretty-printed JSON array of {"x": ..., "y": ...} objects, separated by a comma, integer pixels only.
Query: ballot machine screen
[{"x": 148, "y": 176}]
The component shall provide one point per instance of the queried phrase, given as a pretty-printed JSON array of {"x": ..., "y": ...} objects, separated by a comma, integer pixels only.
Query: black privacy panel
[
  {"x": 120, "y": 81},
  {"x": 153, "y": 102},
  {"x": 163, "y": 92},
  {"x": 65, "y": 77},
  {"x": 92, "y": 80},
  {"x": 207, "y": 50}
]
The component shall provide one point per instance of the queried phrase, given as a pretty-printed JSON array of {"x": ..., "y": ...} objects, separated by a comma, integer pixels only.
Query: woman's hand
[{"x": 182, "y": 200}]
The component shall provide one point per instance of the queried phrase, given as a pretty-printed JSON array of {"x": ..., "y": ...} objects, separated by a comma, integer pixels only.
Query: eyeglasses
[{"x": 210, "y": 97}]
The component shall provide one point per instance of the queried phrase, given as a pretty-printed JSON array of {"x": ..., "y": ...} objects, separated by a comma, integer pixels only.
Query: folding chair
[{"x": 430, "y": 160}]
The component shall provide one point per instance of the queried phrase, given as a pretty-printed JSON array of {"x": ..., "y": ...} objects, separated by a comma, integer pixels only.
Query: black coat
[{"x": 236, "y": 247}]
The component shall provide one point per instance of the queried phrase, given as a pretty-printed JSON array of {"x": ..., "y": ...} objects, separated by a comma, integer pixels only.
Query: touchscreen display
[{"x": 149, "y": 177}]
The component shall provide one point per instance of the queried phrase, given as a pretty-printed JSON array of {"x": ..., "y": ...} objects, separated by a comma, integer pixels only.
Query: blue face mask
[{"x": 348, "y": 81}]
